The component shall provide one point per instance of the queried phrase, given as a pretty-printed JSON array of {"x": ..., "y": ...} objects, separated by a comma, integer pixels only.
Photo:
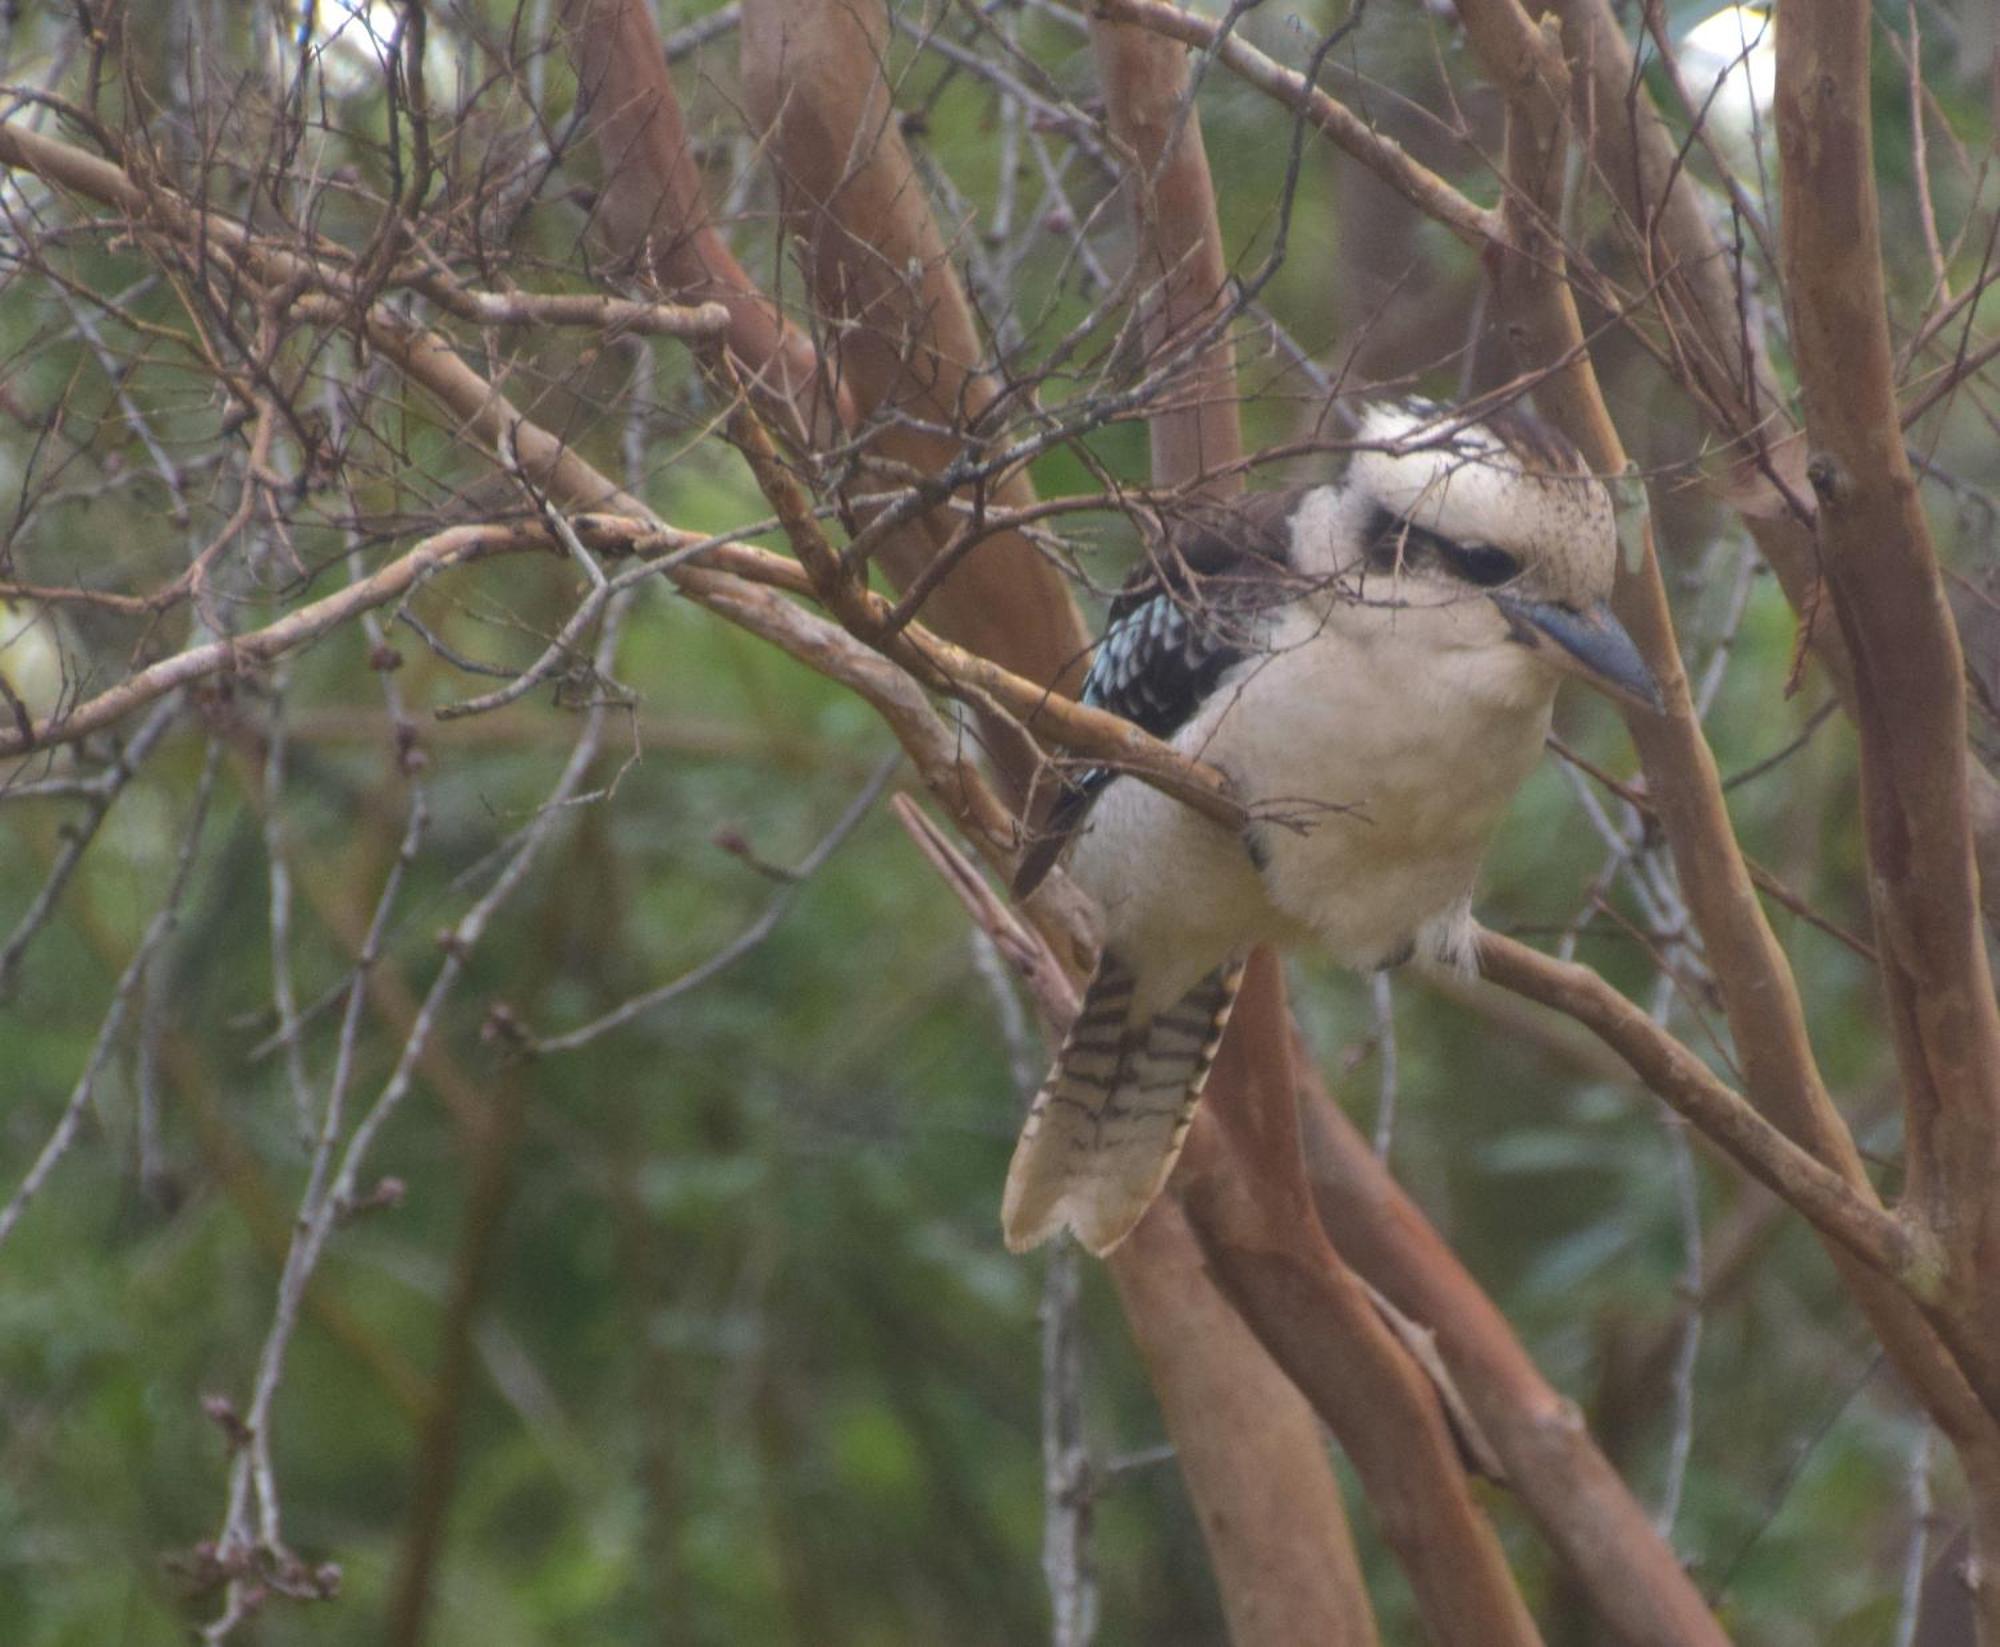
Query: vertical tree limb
[
  {"x": 1248, "y": 1446},
  {"x": 655, "y": 210},
  {"x": 1909, "y": 673},
  {"x": 1148, "y": 95},
  {"x": 1243, "y": 1181},
  {"x": 899, "y": 334},
  {"x": 1760, "y": 995},
  {"x": 1729, "y": 373},
  {"x": 1582, "y": 1506}
]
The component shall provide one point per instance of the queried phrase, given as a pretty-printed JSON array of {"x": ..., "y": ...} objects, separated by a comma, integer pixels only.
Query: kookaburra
[{"x": 1371, "y": 664}]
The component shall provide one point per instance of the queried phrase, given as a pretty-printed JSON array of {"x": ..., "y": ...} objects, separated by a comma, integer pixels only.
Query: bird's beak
[{"x": 1591, "y": 643}]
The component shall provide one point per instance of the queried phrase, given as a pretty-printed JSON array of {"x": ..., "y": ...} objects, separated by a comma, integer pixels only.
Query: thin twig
[
  {"x": 100, "y": 793},
  {"x": 157, "y": 932},
  {"x": 745, "y": 941}
]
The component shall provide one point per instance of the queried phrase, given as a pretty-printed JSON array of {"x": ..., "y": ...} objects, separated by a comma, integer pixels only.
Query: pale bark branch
[
  {"x": 595, "y": 311},
  {"x": 1249, "y": 1446},
  {"x": 455, "y": 546}
]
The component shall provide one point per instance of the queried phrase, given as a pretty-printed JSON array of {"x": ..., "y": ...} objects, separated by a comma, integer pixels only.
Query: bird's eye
[{"x": 1481, "y": 563}]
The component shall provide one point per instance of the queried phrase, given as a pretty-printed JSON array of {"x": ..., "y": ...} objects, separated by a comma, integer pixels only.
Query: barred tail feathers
[{"x": 1108, "y": 1124}]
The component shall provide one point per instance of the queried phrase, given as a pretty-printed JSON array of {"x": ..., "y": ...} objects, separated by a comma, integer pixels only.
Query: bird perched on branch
[{"x": 1372, "y": 665}]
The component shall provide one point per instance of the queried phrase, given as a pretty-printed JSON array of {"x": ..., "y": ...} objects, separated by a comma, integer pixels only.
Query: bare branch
[
  {"x": 1423, "y": 188},
  {"x": 1833, "y": 1205},
  {"x": 158, "y": 930}
]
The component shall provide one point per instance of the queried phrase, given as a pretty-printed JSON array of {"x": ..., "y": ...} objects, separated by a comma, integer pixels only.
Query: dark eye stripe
[
  {"x": 1396, "y": 544},
  {"x": 1479, "y": 563}
]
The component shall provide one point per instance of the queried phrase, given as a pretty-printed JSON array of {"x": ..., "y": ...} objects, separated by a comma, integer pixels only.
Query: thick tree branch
[
  {"x": 900, "y": 337},
  {"x": 1720, "y": 359},
  {"x": 1238, "y": 1421},
  {"x": 1909, "y": 674},
  {"x": 655, "y": 209},
  {"x": 1760, "y": 995},
  {"x": 1149, "y": 96},
  {"x": 1248, "y": 1444},
  {"x": 1242, "y": 1179},
  {"x": 1618, "y": 1558}
]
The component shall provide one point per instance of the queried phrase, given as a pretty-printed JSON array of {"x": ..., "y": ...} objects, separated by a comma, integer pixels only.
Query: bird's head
[{"x": 1498, "y": 514}]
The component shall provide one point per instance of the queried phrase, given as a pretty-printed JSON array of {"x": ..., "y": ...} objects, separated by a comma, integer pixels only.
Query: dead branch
[
  {"x": 455, "y": 546},
  {"x": 158, "y": 930},
  {"x": 430, "y": 360}
]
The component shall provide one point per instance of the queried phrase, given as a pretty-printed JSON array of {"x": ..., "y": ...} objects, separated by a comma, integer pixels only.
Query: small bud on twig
[
  {"x": 221, "y": 1412},
  {"x": 386, "y": 1196}
]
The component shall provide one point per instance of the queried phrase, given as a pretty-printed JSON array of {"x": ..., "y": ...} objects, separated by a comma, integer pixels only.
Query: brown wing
[{"x": 1175, "y": 629}]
